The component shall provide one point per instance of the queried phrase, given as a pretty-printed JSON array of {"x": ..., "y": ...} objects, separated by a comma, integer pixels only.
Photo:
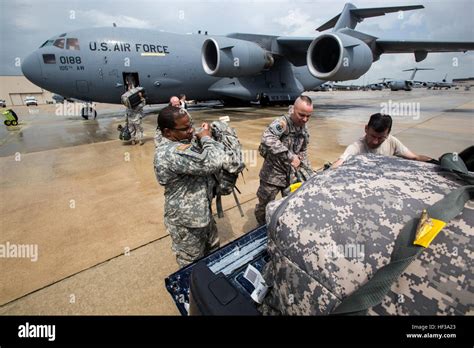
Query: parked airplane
[
  {"x": 406, "y": 85},
  {"x": 441, "y": 84},
  {"x": 378, "y": 86},
  {"x": 99, "y": 64}
]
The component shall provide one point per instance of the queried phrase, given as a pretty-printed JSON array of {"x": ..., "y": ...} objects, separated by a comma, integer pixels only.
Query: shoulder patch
[
  {"x": 278, "y": 127},
  {"x": 183, "y": 147}
]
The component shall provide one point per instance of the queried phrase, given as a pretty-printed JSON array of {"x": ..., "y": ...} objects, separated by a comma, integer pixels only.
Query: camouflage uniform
[
  {"x": 133, "y": 118},
  {"x": 340, "y": 227},
  {"x": 281, "y": 141},
  {"x": 158, "y": 137},
  {"x": 185, "y": 170}
]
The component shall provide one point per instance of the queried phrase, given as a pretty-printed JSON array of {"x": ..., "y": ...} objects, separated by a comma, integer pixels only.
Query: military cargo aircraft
[
  {"x": 407, "y": 85},
  {"x": 440, "y": 84},
  {"x": 99, "y": 64}
]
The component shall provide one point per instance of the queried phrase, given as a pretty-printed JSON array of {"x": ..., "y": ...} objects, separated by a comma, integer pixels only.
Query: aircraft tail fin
[
  {"x": 351, "y": 15},
  {"x": 415, "y": 70},
  {"x": 445, "y": 77}
]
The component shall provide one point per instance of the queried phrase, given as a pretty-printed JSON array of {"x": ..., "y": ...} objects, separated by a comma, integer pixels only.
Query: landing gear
[
  {"x": 234, "y": 102},
  {"x": 88, "y": 111},
  {"x": 275, "y": 100},
  {"x": 264, "y": 100}
]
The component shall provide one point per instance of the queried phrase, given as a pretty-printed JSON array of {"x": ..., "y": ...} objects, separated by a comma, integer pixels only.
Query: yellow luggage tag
[
  {"x": 427, "y": 229},
  {"x": 295, "y": 186}
]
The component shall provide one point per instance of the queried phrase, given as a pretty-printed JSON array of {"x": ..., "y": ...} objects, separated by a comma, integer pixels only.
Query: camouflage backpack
[
  {"x": 348, "y": 241},
  {"x": 124, "y": 132},
  {"x": 233, "y": 165}
]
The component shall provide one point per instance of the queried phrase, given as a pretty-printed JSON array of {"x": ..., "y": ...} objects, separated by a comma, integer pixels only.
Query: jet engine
[
  {"x": 338, "y": 57},
  {"x": 226, "y": 57}
]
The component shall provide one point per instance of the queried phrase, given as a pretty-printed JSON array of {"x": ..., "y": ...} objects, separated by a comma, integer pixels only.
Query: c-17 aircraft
[
  {"x": 99, "y": 64},
  {"x": 406, "y": 85},
  {"x": 440, "y": 84}
]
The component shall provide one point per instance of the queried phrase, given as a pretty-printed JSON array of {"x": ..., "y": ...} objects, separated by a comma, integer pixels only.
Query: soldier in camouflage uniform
[
  {"x": 284, "y": 147},
  {"x": 158, "y": 135},
  {"x": 186, "y": 171},
  {"x": 133, "y": 118}
]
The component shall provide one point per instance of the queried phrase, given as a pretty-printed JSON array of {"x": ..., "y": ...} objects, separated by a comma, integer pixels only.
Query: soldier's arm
[
  {"x": 192, "y": 160},
  {"x": 303, "y": 155},
  {"x": 271, "y": 139},
  {"x": 403, "y": 151},
  {"x": 351, "y": 150}
]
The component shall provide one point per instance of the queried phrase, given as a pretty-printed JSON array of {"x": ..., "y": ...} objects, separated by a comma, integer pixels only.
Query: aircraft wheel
[
  {"x": 84, "y": 114},
  {"x": 264, "y": 100}
]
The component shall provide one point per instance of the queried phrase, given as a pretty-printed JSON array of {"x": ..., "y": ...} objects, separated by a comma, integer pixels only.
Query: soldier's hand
[
  {"x": 296, "y": 162},
  {"x": 204, "y": 131}
]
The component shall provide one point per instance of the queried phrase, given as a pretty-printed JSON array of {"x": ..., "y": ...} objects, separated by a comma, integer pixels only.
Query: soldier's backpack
[
  {"x": 233, "y": 165},
  {"x": 124, "y": 132},
  {"x": 344, "y": 242},
  {"x": 131, "y": 99}
]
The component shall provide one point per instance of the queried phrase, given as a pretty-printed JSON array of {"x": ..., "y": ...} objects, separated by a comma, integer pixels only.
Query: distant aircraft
[
  {"x": 378, "y": 86},
  {"x": 325, "y": 87},
  {"x": 407, "y": 85},
  {"x": 441, "y": 84},
  {"x": 99, "y": 64}
]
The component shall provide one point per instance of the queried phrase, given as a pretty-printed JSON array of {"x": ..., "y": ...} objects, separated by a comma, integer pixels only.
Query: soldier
[
  {"x": 134, "y": 120},
  {"x": 284, "y": 147},
  {"x": 378, "y": 140},
  {"x": 182, "y": 101},
  {"x": 174, "y": 101},
  {"x": 186, "y": 171},
  {"x": 158, "y": 135}
]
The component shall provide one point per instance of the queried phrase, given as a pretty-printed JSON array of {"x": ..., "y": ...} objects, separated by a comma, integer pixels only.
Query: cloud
[
  {"x": 414, "y": 20},
  {"x": 26, "y": 22},
  {"x": 296, "y": 23},
  {"x": 98, "y": 19}
]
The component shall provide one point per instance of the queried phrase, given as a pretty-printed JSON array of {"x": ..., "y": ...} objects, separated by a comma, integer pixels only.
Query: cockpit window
[
  {"x": 72, "y": 44},
  {"x": 59, "y": 43},
  {"x": 47, "y": 43},
  {"x": 49, "y": 59}
]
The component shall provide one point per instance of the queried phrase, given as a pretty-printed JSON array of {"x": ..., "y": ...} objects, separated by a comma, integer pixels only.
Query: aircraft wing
[
  {"x": 295, "y": 44},
  {"x": 421, "y": 48},
  {"x": 295, "y": 48},
  {"x": 388, "y": 46}
]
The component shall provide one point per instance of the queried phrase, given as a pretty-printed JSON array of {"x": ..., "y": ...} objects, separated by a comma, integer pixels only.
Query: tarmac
[{"x": 92, "y": 207}]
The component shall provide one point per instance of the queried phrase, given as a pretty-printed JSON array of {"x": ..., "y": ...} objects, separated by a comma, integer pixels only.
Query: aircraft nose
[{"x": 31, "y": 68}]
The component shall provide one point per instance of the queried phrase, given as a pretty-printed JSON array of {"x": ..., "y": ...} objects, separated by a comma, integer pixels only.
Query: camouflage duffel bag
[{"x": 344, "y": 242}]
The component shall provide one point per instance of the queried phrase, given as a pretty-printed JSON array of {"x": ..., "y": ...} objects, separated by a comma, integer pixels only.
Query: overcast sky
[{"x": 26, "y": 24}]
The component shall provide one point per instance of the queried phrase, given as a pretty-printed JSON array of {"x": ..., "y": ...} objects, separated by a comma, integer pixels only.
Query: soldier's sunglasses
[{"x": 184, "y": 128}]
